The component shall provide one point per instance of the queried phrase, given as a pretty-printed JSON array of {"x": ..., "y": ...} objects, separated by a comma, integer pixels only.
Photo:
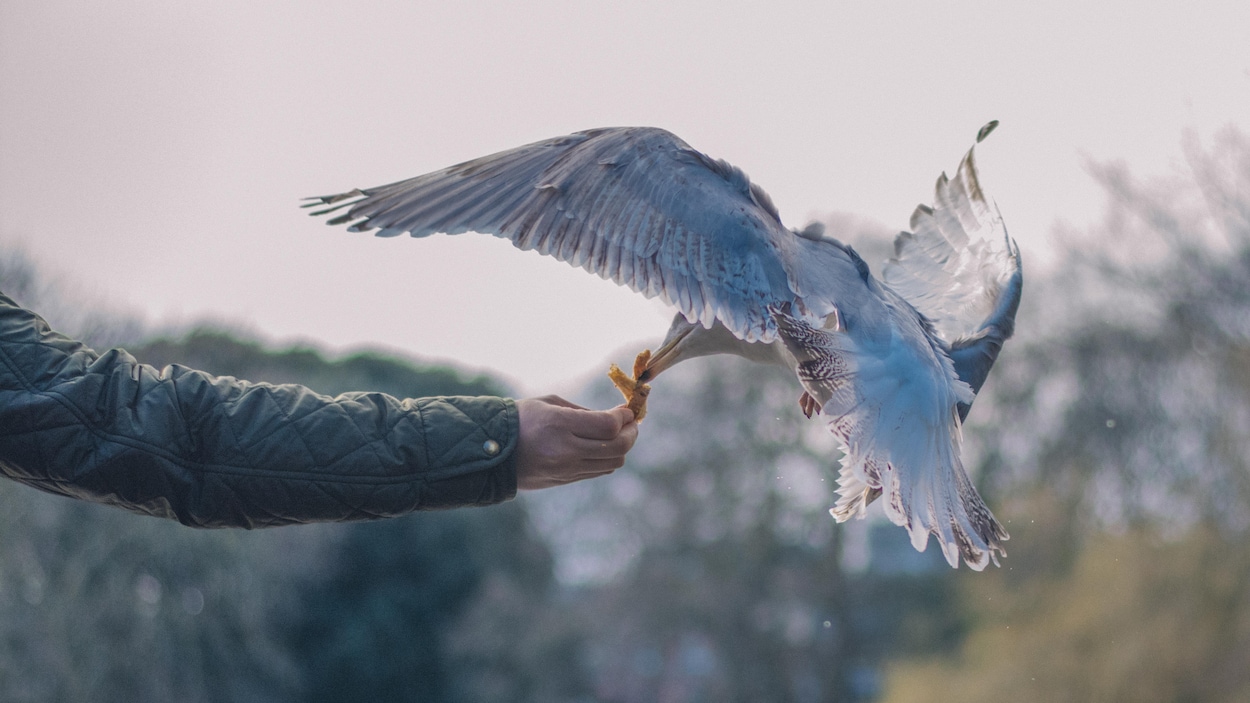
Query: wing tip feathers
[{"x": 985, "y": 130}]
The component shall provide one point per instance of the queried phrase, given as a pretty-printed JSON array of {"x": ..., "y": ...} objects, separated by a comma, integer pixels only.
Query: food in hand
[{"x": 635, "y": 393}]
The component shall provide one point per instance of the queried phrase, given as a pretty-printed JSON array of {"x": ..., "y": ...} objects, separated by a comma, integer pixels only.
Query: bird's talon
[{"x": 808, "y": 405}]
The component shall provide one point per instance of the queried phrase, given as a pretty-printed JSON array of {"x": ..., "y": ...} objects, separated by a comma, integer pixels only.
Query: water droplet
[
  {"x": 193, "y": 600},
  {"x": 148, "y": 589}
]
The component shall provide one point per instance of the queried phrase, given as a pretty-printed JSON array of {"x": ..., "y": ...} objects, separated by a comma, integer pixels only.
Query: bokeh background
[{"x": 151, "y": 159}]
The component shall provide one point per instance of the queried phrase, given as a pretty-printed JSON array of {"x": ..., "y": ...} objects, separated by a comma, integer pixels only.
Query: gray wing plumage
[{"x": 634, "y": 205}]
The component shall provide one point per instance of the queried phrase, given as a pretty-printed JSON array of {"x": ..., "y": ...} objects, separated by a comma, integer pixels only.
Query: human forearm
[{"x": 214, "y": 451}]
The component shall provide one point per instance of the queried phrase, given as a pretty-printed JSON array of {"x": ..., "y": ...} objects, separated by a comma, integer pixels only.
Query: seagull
[{"x": 892, "y": 363}]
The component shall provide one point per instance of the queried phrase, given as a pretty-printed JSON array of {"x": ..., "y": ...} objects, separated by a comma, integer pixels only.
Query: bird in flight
[{"x": 891, "y": 363}]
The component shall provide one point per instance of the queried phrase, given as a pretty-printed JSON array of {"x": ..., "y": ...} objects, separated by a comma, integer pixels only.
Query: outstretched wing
[
  {"x": 894, "y": 415},
  {"x": 961, "y": 270},
  {"x": 635, "y": 205}
]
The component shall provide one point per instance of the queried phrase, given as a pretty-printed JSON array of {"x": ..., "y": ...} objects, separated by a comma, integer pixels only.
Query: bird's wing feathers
[
  {"x": 634, "y": 205},
  {"x": 960, "y": 269},
  {"x": 957, "y": 265},
  {"x": 894, "y": 415}
]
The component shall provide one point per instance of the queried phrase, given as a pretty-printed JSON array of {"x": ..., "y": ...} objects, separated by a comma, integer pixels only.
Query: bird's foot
[{"x": 809, "y": 405}]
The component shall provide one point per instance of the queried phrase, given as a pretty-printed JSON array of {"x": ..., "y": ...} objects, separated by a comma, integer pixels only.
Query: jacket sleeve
[{"x": 219, "y": 452}]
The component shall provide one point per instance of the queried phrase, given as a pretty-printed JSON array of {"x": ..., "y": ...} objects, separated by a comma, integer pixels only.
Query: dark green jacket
[{"x": 219, "y": 452}]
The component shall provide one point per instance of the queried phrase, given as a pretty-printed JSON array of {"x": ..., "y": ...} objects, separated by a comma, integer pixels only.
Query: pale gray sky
[{"x": 153, "y": 152}]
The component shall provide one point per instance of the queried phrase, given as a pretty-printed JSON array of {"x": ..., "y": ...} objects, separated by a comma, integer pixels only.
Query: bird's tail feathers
[
  {"x": 900, "y": 440},
  {"x": 894, "y": 449}
]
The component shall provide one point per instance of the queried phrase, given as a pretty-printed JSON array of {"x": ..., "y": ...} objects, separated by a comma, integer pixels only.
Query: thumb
[{"x": 624, "y": 413}]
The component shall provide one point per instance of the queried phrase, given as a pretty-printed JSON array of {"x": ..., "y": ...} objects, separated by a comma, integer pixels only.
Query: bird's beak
[{"x": 665, "y": 356}]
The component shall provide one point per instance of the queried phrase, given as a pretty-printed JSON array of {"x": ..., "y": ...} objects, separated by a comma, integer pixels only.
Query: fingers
[
  {"x": 561, "y": 442},
  {"x": 614, "y": 447},
  {"x": 588, "y": 424},
  {"x": 599, "y": 424}
]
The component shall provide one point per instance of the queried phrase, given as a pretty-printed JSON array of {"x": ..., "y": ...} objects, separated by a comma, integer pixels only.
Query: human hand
[{"x": 561, "y": 442}]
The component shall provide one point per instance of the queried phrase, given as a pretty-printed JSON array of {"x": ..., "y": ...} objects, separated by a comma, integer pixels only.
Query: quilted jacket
[{"x": 219, "y": 452}]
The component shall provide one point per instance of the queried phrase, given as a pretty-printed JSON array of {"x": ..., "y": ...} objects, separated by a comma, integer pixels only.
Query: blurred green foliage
[{"x": 1136, "y": 617}]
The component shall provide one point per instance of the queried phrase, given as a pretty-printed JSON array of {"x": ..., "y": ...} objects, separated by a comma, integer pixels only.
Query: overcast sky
[{"x": 153, "y": 153}]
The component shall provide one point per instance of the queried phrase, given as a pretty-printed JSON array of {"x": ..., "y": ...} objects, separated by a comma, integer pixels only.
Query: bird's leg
[{"x": 809, "y": 405}]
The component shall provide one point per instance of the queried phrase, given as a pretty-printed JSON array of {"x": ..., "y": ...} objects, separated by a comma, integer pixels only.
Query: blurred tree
[
  {"x": 735, "y": 589},
  {"x": 712, "y": 568},
  {"x": 98, "y": 604},
  {"x": 435, "y": 607},
  {"x": 1136, "y": 617},
  {"x": 99, "y": 324},
  {"x": 1134, "y": 373},
  {"x": 515, "y": 640},
  {"x": 221, "y": 352},
  {"x": 372, "y": 628},
  {"x": 1122, "y": 429},
  {"x": 409, "y": 609}
]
